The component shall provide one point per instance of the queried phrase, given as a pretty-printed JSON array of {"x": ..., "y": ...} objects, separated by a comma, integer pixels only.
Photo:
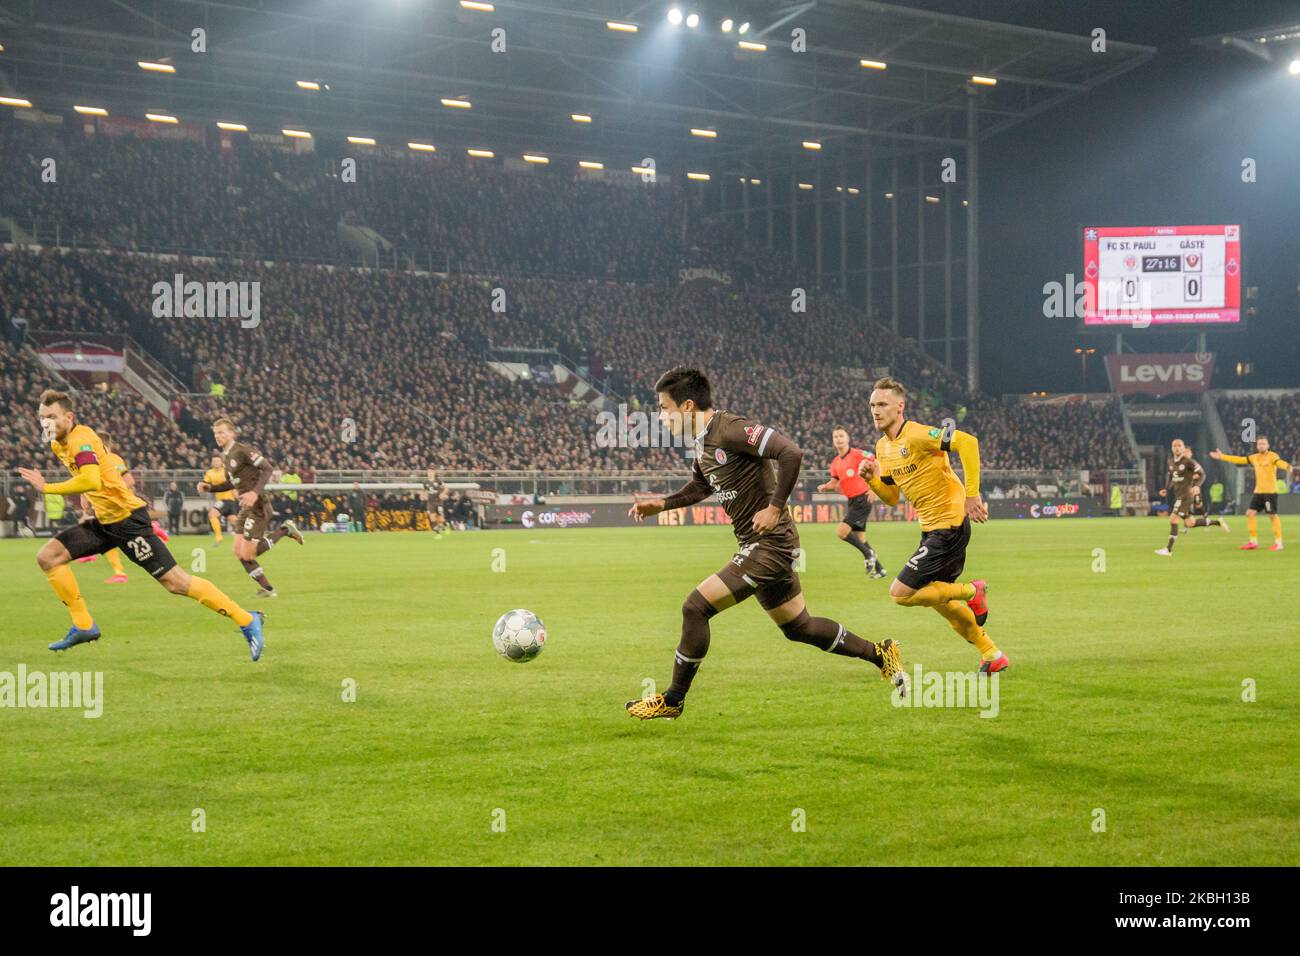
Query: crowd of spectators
[
  {"x": 351, "y": 368},
  {"x": 466, "y": 215},
  {"x": 1276, "y": 418}
]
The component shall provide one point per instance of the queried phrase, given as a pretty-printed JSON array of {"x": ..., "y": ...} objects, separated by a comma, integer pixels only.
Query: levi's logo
[
  {"x": 1150, "y": 372},
  {"x": 752, "y": 433}
]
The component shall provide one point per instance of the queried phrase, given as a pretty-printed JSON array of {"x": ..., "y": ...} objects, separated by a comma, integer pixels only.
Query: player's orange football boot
[
  {"x": 1277, "y": 546},
  {"x": 979, "y": 604},
  {"x": 649, "y": 708},
  {"x": 116, "y": 579},
  {"x": 1000, "y": 663},
  {"x": 1249, "y": 546}
]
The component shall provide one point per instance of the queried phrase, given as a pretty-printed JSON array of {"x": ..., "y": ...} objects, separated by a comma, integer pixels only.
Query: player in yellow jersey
[
  {"x": 913, "y": 459},
  {"x": 118, "y": 519},
  {"x": 227, "y": 504},
  {"x": 1266, "y": 464}
]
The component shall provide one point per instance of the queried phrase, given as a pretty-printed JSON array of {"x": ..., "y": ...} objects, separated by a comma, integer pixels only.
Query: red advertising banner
[{"x": 1160, "y": 374}]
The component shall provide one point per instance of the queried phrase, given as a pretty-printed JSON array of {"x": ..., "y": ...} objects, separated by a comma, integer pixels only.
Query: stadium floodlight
[
  {"x": 675, "y": 16},
  {"x": 704, "y": 133},
  {"x": 422, "y": 147},
  {"x": 477, "y": 5},
  {"x": 15, "y": 101},
  {"x": 232, "y": 127},
  {"x": 362, "y": 140},
  {"x": 889, "y": 195},
  {"x": 984, "y": 80},
  {"x": 698, "y": 177},
  {"x": 728, "y": 24},
  {"x": 873, "y": 64},
  {"x": 854, "y": 190},
  {"x": 643, "y": 170},
  {"x": 309, "y": 85},
  {"x": 161, "y": 118},
  {"x": 744, "y": 28},
  {"x": 296, "y": 133},
  {"x": 535, "y": 158},
  {"x": 580, "y": 117},
  {"x": 618, "y": 26},
  {"x": 693, "y": 20},
  {"x": 590, "y": 164},
  {"x": 481, "y": 153},
  {"x": 755, "y": 182},
  {"x": 1294, "y": 67},
  {"x": 811, "y": 144},
  {"x": 456, "y": 104},
  {"x": 2, "y": 47},
  {"x": 932, "y": 199},
  {"x": 752, "y": 46},
  {"x": 153, "y": 67},
  {"x": 805, "y": 185},
  {"x": 91, "y": 110}
]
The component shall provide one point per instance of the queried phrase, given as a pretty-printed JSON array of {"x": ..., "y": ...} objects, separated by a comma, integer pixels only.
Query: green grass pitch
[{"x": 1125, "y": 696}]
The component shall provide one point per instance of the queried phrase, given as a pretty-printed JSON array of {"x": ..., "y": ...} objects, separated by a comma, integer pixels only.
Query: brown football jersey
[
  {"x": 246, "y": 469},
  {"x": 733, "y": 462},
  {"x": 1184, "y": 473}
]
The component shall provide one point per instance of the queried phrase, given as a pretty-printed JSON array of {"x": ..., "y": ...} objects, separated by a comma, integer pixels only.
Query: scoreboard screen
[{"x": 1139, "y": 276}]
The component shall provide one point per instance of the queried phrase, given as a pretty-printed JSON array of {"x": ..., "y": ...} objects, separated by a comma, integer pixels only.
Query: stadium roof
[
  {"x": 1264, "y": 42},
  {"x": 385, "y": 66}
]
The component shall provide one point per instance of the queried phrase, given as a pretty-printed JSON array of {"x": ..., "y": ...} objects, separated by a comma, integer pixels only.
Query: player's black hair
[{"x": 682, "y": 383}]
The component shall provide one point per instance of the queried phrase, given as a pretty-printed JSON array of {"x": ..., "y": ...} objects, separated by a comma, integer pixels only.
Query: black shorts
[
  {"x": 133, "y": 534},
  {"x": 940, "y": 557},
  {"x": 228, "y": 507},
  {"x": 859, "y": 509},
  {"x": 1264, "y": 503},
  {"x": 765, "y": 569}
]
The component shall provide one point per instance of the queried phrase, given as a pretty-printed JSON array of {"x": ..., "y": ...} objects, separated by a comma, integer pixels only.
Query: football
[{"x": 519, "y": 635}]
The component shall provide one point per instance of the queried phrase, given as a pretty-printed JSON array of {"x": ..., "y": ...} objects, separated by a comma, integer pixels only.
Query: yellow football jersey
[
  {"x": 1266, "y": 466},
  {"x": 113, "y": 501},
  {"x": 917, "y": 463},
  {"x": 217, "y": 476}
]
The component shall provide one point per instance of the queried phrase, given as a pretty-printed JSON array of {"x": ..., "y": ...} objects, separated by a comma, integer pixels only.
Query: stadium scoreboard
[{"x": 1140, "y": 276}]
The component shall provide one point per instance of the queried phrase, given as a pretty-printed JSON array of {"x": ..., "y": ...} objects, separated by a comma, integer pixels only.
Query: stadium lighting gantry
[
  {"x": 91, "y": 110},
  {"x": 232, "y": 127},
  {"x": 152, "y": 67}
]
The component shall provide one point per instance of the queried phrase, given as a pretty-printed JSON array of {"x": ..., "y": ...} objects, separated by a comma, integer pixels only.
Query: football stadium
[{"x": 462, "y": 370}]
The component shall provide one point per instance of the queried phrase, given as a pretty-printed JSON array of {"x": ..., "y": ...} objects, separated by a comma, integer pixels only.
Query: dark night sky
[{"x": 1162, "y": 144}]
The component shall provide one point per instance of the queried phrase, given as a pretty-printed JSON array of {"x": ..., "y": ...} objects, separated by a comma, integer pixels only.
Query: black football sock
[
  {"x": 1173, "y": 536},
  {"x": 696, "y": 611},
  {"x": 862, "y": 546},
  {"x": 826, "y": 635},
  {"x": 1207, "y": 522},
  {"x": 256, "y": 573}
]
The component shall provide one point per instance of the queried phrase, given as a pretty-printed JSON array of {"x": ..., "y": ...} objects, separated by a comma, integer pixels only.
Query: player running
[
  {"x": 1266, "y": 464},
  {"x": 224, "y": 506},
  {"x": 733, "y": 457},
  {"x": 119, "y": 519},
  {"x": 1183, "y": 484},
  {"x": 846, "y": 476},
  {"x": 246, "y": 469},
  {"x": 435, "y": 494},
  {"x": 913, "y": 458}
]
